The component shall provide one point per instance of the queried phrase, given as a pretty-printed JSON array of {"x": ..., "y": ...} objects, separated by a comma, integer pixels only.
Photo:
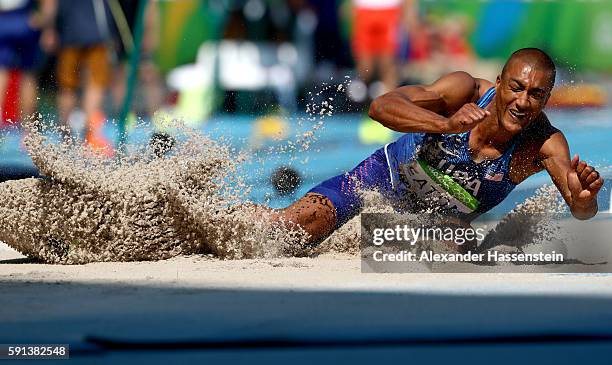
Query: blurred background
[{"x": 264, "y": 73}]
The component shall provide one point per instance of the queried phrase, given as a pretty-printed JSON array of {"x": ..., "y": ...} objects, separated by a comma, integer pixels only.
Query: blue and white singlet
[{"x": 425, "y": 171}]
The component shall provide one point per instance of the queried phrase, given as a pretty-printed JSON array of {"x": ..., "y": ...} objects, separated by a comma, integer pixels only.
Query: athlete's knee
[{"x": 314, "y": 213}]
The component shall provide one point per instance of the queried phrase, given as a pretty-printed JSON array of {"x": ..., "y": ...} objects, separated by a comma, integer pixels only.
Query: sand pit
[
  {"x": 330, "y": 271},
  {"x": 200, "y": 297},
  {"x": 141, "y": 206},
  {"x": 206, "y": 301},
  {"x": 166, "y": 250}
]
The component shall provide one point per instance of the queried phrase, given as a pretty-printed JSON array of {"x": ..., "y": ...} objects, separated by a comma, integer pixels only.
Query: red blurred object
[
  {"x": 420, "y": 47},
  {"x": 11, "y": 102},
  {"x": 172, "y": 98}
]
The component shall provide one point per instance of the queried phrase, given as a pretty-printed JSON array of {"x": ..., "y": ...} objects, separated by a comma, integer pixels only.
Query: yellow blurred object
[
  {"x": 164, "y": 120},
  {"x": 372, "y": 132},
  {"x": 194, "y": 105},
  {"x": 578, "y": 96},
  {"x": 270, "y": 127}
]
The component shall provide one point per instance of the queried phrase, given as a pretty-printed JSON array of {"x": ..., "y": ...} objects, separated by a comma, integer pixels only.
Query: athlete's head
[{"x": 523, "y": 88}]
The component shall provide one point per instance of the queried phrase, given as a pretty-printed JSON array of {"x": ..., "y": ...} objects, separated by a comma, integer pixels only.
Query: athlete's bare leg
[
  {"x": 388, "y": 72},
  {"x": 365, "y": 68},
  {"x": 314, "y": 213},
  {"x": 4, "y": 79},
  {"x": 66, "y": 102},
  {"x": 28, "y": 94}
]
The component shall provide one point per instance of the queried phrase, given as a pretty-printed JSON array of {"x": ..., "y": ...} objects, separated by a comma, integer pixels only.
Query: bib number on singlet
[{"x": 436, "y": 187}]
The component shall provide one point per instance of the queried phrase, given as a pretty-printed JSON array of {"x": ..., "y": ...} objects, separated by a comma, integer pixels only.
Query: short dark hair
[{"x": 535, "y": 56}]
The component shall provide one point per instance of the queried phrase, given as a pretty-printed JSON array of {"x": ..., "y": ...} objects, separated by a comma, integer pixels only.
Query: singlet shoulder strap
[{"x": 486, "y": 98}]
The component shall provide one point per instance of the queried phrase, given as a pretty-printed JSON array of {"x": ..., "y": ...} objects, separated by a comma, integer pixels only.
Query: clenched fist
[{"x": 466, "y": 118}]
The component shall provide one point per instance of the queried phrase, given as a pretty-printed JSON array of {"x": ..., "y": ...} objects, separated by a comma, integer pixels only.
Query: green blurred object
[
  {"x": 132, "y": 73},
  {"x": 184, "y": 26},
  {"x": 577, "y": 33},
  {"x": 195, "y": 105}
]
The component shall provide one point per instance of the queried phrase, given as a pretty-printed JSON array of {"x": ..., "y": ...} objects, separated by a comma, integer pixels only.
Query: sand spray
[{"x": 140, "y": 206}]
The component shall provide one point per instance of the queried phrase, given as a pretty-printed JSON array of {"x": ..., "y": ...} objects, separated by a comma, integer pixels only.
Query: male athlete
[{"x": 468, "y": 143}]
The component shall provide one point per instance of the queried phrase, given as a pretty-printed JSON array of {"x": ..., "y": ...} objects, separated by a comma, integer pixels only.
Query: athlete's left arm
[{"x": 577, "y": 181}]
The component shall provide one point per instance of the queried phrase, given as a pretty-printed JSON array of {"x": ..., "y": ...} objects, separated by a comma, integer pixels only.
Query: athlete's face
[{"x": 521, "y": 94}]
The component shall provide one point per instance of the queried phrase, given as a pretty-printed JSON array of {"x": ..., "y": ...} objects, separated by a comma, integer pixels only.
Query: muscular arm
[
  {"x": 577, "y": 182},
  {"x": 424, "y": 108}
]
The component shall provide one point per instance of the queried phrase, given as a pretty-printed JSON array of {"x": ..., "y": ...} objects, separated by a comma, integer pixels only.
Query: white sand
[{"x": 325, "y": 272}]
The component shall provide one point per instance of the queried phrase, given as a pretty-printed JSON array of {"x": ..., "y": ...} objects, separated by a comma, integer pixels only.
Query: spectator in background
[
  {"x": 329, "y": 44},
  {"x": 376, "y": 27},
  {"x": 124, "y": 14},
  {"x": 454, "y": 45},
  {"x": 82, "y": 28},
  {"x": 442, "y": 46},
  {"x": 20, "y": 25}
]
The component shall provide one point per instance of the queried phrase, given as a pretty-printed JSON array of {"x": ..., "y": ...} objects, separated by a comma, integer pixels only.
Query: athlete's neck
[{"x": 490, "y": 133}]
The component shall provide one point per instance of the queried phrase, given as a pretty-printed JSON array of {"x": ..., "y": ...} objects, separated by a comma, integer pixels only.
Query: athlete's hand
[
  {"x": 466, "y": 118},
  {"x": 584, "y": 182}
]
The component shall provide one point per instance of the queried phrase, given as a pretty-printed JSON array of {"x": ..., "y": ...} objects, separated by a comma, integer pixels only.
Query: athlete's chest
[
  {"x": 442, "y": 172},
  {"x": 451, "y": 156}
]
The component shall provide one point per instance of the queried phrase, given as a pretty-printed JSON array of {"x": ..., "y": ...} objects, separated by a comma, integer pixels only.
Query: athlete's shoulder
[
  {"x": 456, "y": 89},
  {"x": 550, "y": 139},
  {"x": 541, "y": 129},
  {"x": 483, "y": 86},
  {"x": 542, "y": 138},
  {"x": 537, "y": 142}
]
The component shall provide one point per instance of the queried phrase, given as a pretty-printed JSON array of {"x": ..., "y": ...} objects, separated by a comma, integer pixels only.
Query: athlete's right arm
[{"x": 425, "y": 108}]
